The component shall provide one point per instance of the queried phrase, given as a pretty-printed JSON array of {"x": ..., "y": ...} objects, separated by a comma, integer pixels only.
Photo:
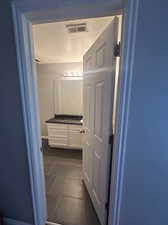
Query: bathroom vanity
[{"x": 65, "y": 131}]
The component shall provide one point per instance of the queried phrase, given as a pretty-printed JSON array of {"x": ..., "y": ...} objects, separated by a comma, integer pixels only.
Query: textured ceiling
[{"x": 53, "y": 43}]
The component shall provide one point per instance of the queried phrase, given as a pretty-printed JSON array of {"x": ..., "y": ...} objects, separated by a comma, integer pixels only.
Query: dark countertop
[{"x": 66, "y": 119}]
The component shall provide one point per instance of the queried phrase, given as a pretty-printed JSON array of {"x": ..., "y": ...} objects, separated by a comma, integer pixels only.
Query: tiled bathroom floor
[{"x": 67, "y": 199}]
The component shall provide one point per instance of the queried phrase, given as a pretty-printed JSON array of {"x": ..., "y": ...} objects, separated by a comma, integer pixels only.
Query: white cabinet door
[
  {"x": 65, "y": 135},
  {"x": 99, "y": 79},
  {"x": 75, "y": 136}
]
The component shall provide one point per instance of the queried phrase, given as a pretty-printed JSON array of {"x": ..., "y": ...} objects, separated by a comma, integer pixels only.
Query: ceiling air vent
[{"x": 76, "y": 28}]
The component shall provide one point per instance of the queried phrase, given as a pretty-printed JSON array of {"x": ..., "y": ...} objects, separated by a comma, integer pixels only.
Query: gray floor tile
[{"x": 67, "y": 199}]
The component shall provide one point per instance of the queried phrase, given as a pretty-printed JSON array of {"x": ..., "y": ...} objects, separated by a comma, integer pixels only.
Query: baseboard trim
[{"x": 8, "y": 221}]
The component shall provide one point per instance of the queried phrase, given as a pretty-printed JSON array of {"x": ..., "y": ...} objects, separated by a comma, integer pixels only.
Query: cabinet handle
[{"x": 82, "y": 131}]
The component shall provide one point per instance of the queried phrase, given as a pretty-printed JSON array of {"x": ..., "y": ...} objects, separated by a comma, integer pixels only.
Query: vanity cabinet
[{"x": 64, "y": 135}]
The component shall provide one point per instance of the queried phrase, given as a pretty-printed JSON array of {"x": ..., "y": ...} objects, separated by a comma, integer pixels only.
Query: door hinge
[
  {"x": 41, "y": 149},
  {"x": 111, "y": 138},
  {"x": 107, "y": 206},
  {"x": 116, "y": 50}
]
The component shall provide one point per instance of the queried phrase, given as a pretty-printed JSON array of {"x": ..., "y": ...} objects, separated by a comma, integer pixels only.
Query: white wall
[{"x": 50, "y": 101}]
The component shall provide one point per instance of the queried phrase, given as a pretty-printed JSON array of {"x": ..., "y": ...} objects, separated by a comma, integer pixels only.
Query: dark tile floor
[{"x": 67, "y": 199}]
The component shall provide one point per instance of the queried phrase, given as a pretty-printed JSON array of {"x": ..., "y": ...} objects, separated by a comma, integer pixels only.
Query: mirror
[{"x": 68, "y": 96}]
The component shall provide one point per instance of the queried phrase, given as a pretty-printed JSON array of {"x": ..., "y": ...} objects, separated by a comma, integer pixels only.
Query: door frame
[{"x": 28, "y": 86}]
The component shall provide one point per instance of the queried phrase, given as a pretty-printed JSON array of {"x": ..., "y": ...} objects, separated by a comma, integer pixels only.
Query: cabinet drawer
[
  {"x": 57, "y": 126},
  {"x": 75, "y": 132},
  {"x": 58, "y": 141},
  {"x": 74, "y": 128},
  {"x": 52, "y": 131}
]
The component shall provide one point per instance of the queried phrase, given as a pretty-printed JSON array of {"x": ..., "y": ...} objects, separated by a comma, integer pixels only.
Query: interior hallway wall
[
  {"x": 47, "y": 74},
  {"x": 15, "y": 193},
  {"x": 145, "y": 187}
]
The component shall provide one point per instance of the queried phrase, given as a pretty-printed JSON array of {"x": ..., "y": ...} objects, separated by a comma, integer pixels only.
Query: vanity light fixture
[{"x": 73, "y": 74}]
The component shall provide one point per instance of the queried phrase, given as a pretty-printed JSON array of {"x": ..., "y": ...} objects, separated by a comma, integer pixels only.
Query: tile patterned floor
[{"x": 67, "y": 199}]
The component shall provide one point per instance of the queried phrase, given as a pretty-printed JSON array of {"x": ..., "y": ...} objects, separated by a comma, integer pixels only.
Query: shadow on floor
[{"x": 67, "y": 198}]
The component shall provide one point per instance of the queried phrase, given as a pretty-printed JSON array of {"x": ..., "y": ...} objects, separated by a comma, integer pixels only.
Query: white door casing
[
  {"x": 28, "y": 84},
  {"x": 99, "y": 81}
]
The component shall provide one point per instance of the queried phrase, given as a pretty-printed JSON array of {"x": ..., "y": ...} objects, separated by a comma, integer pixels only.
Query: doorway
[
  {"x": 64, "y": 105},
  {"x": 23, "y": 19}
]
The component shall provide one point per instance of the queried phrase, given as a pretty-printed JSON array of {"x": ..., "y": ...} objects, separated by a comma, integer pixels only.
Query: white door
[{"x": 99, "y": 80}]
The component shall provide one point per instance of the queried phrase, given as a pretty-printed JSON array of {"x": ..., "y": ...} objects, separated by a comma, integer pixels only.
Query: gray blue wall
[
  {"x": 144, "y": 197},
  {"x": 145, "y": 193},
  {"x": 15, "y": 196}
]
